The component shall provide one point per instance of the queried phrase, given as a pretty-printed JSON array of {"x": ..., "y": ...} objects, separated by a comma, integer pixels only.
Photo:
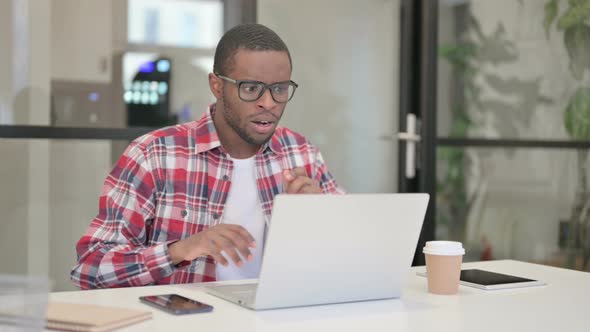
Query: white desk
[{"x": 562, "y": 305}]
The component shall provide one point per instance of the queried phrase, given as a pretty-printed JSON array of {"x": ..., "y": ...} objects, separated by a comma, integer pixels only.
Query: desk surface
[{"x": 560, "y": 305}]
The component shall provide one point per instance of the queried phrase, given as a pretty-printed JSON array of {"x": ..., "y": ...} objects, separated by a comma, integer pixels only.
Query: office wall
[
  {"x": 14, "y": 206},
  {"x": 82, "y": 46},
  {"x": 345, "y": 58},
  {"x": 81, "y": 40},
  {"x": 24, "y": 99},
  {"x": 84, "y": 37},
  {"x": 75, "y": 184},
  {"x": 53, "y": 186},
  {"x": 5, "y": 61},
  {"x": 13, "y": 222}
]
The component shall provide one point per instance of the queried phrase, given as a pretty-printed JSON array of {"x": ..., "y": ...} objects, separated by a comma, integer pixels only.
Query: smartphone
[
  {"x": 488, "y": 280},
  {"x": 176, "y": 304}
]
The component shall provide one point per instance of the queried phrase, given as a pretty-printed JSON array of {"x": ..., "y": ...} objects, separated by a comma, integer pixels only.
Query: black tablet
[
  {"x": 488, "y": 280},
  {"x": 493, "y": 280}
]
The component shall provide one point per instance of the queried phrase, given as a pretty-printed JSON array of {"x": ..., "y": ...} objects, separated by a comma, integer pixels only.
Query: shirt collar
[{"x": 207, "y": 138}]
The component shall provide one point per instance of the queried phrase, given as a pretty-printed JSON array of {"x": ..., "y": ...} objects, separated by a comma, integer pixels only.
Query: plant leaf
[
  {"x": 576, "y": 14},
  {"x": 460, "y": 125},
  {"x": 577, "y": 115},
  {"x": 457, "y": 55},
  {"x": 551, "y": 9},
  {"x": 577, "y": 43}
]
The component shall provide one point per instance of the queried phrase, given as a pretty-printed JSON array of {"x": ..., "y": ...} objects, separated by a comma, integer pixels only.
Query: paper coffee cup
[{"x": 443, "y": 266}]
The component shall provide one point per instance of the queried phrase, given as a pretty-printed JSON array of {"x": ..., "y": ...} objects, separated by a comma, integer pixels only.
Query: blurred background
[{"x": 483, "y": 104}]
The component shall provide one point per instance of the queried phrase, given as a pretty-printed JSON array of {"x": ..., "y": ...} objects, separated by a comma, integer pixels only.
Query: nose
[{"x": 265, "y": 101}]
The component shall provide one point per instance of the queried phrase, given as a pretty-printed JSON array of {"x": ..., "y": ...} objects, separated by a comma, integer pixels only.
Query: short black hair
[{"x": 252, "y": 36}]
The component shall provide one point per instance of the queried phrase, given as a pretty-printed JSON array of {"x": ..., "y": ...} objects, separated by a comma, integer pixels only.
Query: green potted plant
[{"x": 574, "y": 22}]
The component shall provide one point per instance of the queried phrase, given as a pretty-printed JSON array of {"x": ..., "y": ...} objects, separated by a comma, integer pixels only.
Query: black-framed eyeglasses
[{"x": 281, "y": 92}]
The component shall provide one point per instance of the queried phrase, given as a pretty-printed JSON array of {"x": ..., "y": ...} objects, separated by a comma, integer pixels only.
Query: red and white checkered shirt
[{"x": 168, "y": 185}]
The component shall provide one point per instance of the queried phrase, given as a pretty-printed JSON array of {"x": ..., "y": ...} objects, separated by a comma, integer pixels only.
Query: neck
[{"x": 235, "y": 146}]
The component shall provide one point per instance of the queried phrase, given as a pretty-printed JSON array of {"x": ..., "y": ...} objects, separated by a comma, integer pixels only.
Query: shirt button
[
  {"x": 163, "y": 271},
  {"x": 183, "y": 213},
  {"x": 215, "y": 216},
  {"x": 225, "y": 178}
]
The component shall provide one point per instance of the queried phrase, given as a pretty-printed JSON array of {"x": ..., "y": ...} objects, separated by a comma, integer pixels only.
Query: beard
[{"x": 235, "y": 121}]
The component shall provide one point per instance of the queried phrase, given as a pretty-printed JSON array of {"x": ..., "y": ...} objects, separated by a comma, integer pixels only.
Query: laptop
[{"x": 323, "y": 249}]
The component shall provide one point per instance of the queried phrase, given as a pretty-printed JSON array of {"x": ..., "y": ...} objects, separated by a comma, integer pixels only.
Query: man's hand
[
  {"x": 297, "y": 182},
  {"x": 228, "y": 238}
]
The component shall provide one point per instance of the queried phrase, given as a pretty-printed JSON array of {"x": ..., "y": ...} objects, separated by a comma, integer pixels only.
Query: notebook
[{"x": 91, "y": 318}]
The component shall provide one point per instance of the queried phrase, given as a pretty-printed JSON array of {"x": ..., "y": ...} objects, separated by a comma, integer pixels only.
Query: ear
[{"x": 215, "y": 84}]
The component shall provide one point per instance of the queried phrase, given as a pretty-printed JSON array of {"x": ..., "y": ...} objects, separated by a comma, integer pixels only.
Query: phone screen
[
  {"x": 176, "y": 304},
  {"x": 488, "y": 278}
]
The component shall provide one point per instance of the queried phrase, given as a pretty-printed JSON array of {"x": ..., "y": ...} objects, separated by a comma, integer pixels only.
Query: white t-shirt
[{"x": 243, "y": 208}]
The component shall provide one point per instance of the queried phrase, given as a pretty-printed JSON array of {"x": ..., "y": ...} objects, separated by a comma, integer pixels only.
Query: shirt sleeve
[
  {"x": 113, "y": 251},
  {"x": 325, "y": 178}
]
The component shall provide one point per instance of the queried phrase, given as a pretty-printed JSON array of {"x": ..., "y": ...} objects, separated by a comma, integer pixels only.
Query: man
[{"x": 192, "y": 202}]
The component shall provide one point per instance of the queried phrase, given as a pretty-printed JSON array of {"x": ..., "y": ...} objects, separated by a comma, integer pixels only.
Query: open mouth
[
  {"x": 262, "y": 123},
  {"x": 262, "y": 126}
]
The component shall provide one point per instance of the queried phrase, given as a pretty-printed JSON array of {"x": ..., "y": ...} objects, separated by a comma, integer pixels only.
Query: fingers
[
  {"x": 243, "y": 233},
  {"x": 225, "y": 248},
  {"x": 292, "y": 174},
  {"x": 297, "y": 182},
  {"x": 223, "y": 242},
  {"x": 229, "y": 242},
  {"x": 218, "y": 257},
  {"x": 298, "y": 186},
  {"x": 289, "y": 176},
  {"x": 238, "y": 244},
  {"x": 299, "y": 171}
]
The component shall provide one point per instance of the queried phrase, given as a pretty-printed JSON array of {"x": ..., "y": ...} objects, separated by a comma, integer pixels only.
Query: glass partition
[
  {"x": 107, "y": 64},
  {"x": 511, "y": 71},
  {"x": 524, "y": 204},
  {"x": 51, "y": 190}
]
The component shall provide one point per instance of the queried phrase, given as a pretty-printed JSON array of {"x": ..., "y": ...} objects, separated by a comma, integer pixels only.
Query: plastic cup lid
[{"x": 445, "y": 248}]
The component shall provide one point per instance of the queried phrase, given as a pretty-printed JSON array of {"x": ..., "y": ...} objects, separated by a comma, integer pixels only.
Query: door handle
[{"x": 412, "y": 139}]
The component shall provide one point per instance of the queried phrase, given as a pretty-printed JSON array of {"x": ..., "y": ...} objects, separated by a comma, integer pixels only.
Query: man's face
[{"x": 255, "y": 122}]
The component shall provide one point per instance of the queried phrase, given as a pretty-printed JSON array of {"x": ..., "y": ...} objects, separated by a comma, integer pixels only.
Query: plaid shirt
[{"x": 168, "y": 185}]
